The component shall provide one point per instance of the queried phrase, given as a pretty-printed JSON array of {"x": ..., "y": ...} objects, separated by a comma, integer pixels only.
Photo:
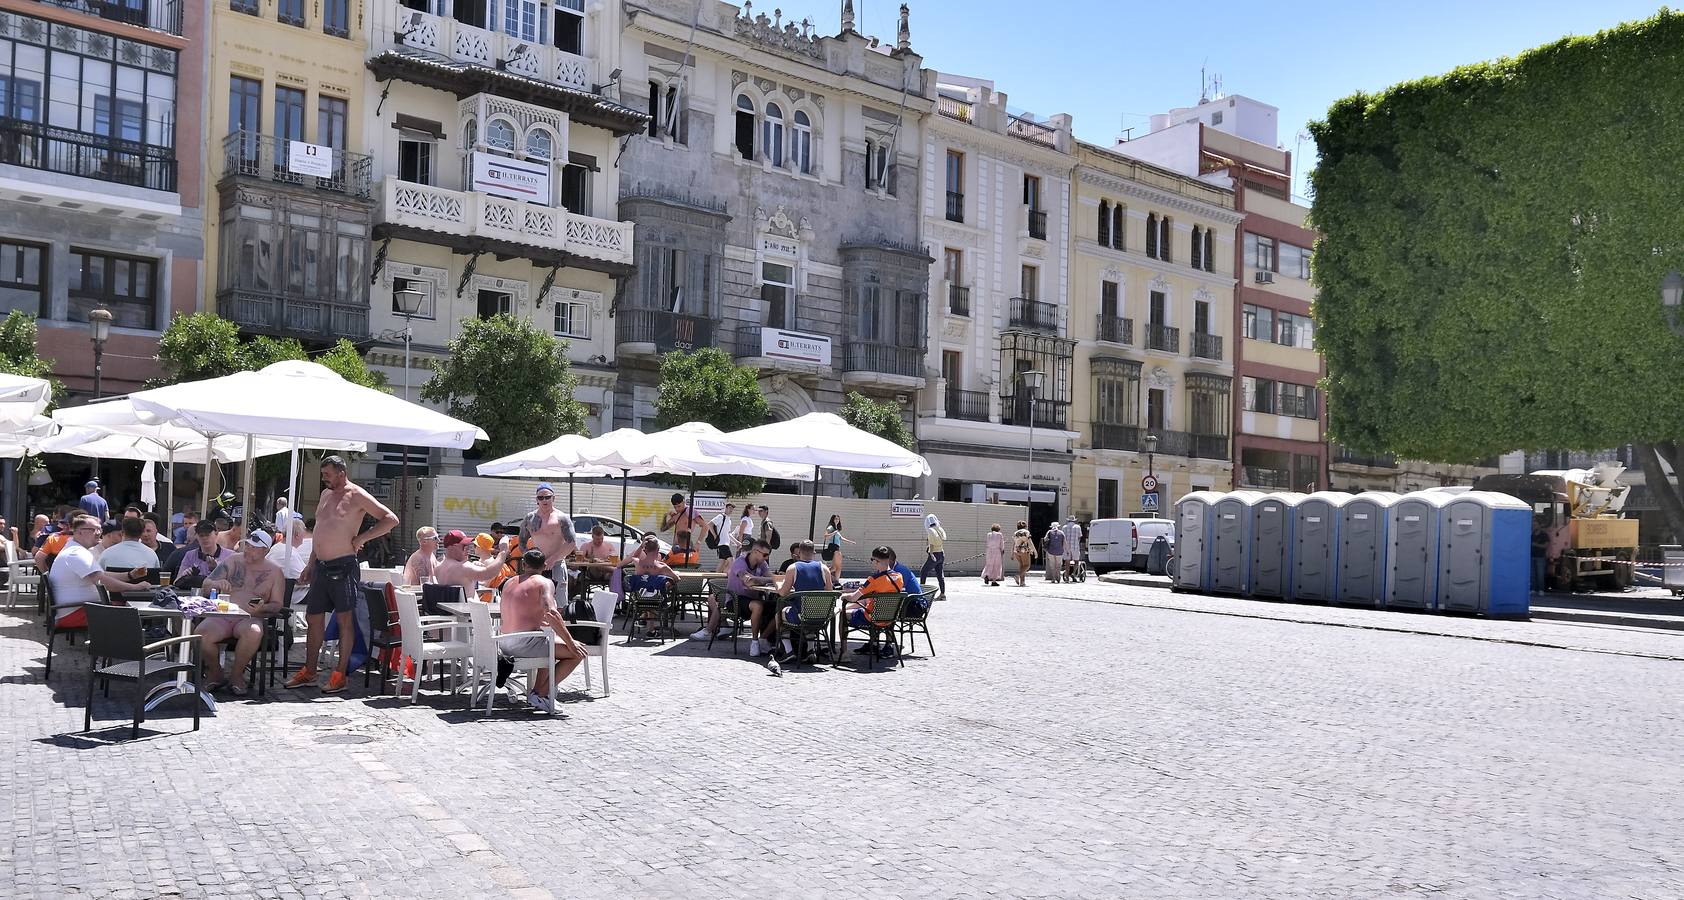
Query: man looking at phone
[{"x": 250, "y": 583}]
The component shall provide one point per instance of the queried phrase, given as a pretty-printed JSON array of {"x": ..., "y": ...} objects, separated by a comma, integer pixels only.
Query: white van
[{"x": 1123, "y": 543}]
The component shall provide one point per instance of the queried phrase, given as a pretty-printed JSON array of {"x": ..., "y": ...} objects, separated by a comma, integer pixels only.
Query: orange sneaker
[
  {"x": 335, "y": 683},
  {"x": 302, "y": 678}
]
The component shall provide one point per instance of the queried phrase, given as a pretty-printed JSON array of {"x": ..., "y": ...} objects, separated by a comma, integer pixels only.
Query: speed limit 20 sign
[{"x": 1149, "y": 483}]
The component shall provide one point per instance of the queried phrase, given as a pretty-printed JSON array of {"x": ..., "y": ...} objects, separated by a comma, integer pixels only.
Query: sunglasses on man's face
[{"x": 546, "y": 498}]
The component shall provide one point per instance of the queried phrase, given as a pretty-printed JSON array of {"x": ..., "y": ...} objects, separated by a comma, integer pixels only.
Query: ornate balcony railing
[
  {"x": 483, "y": 215},
  {"x": 162, "y": 15},
  {"x": 1033, "y": 315},
  {"x": 1163, "y": 337},
  {"x": 265, "y": 156},
  {"x": 954, "y": 108},
  {"x": 1116, "y": 330},
  {"x": 1258, "y": 476},
  {"x": 1107, "y": 436},
  {"x": 280, "y": 314},
  {"x": 463, "y": 43},
  {"x": 1038, "y": 224},
  {"x": 1015, "y": 410},
  {"x": 1206, "y": 346},
  {"x": 971, "y": 406},
  {"x": 955, "y": 206},
  {"x": 1192, "y": 445},
  {"x": 1031, "y": 130},
  {"x": 35, "y": 145},
  {"x": 886, "y": 359},
  {"x": 958, "y": 300}
]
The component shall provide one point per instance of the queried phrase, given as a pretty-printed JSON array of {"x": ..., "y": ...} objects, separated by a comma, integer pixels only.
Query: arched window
[
  {"x": 1117, "y": 227},
  {"x": 801, "y": 145},
  {"x": 1198, "y": 246},
  {"x": 470, "y": 134},
  {"x": 1210, "y": 250},
  {"x": 1152, "y": 235},
  {"x": 1104, "y": 223},
  {"x": 745, "y": 126},
  {"x": 772, "y": 135},
  {"x": 1163, "y": 238},
  {"x": 500, "y": 135},
  {"x": 540, "y": 145}
]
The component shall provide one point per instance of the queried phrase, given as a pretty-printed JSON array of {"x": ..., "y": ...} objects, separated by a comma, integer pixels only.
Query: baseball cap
[
  {"x": 544, "y": 486},
  {"x": 453, "y": 538},
  {"x": 533, "y": 558},
  {"x": 90, "y": 485},
  {"x": 261, "y": 539}
]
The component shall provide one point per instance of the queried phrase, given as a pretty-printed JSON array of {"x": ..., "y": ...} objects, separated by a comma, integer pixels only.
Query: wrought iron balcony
[
  {"x": 284, "y": 315},
  {"x": 1107, "y": 436},
  {"x": 1163, "y": 337},
  {"x": 971, "y": 406},
  {"x": 252, "y": 155},
  {"x": 1191, "y": 445},
  {"x": 35, "y": 145},
  {"x": 161, "y": 15},
  {"x": 1206, "y": 346},
  {"x": 1038, "y": 224},
  {"x": 955, "y": 206},
  {"x": 1260, "y": 477},
  {"x": 1116, "y": 329},
  {"x": 954, "y": 108},
  {"x": 662, "y": 329},
  {"x": 1033, "y": 315},
  {"x": 884, "y": 359},
  {"x": 1015, "y": 410},
  {"x": 1344, "y": 456},
  {"x": 959, "y": 300}
]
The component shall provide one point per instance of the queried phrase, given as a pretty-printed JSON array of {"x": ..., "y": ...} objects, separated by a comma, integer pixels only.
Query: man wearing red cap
[{"x": 457, "y": 569}]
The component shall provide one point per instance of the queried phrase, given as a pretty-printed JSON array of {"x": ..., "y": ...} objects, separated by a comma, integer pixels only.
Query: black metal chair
[
  {"x": 54, "y": 628},
  {"x": 815, "y": 619},
  {"x": 915, "y": 620},
  {"x": 383, "y": 634},
  {"x": 115, "y": 635},
  {"x": 434, "y": 594},
  {"x": 879, "y": 626},
  {"x": 662, "y": 605},
  {"x": 729, "y": 616}
]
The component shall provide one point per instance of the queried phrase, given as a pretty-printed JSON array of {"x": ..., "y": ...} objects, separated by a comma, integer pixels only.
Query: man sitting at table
[
  {"x": 249, "y": 582},
  {"x": 884, "y": 580},
  {"x": 294, "y": 556},
  {"x": 110, "y": 533},
  {"x": 457, "y": 569},
  {"x": 155, "y": 539},
  {"x": 528, "y": 604},
  {"x": 419, "y": 568},
  {"x": 131, "y": 553},
  {"x": 913, "y": 588},
  {"x": 747, "y": 573},
  {"x": 597, "y": 550},
  {"x": 76, "y": 578},
  {"x": 650, "y": 575},
  {"x": 201, "y": 559},
  {"x": 805, "y": 573}
]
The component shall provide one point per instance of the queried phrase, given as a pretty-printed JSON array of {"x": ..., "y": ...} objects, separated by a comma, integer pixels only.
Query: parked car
[
  {"x": 1123, "y": 543},
  {"x": 614, "y": 530}
]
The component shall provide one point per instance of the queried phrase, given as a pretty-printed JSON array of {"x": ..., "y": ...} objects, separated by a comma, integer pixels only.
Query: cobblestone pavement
[{"x": 1061, "y": 745}]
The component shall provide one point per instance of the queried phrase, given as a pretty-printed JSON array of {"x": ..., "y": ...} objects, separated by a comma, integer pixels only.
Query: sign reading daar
[{"x": 516, "y": 179}]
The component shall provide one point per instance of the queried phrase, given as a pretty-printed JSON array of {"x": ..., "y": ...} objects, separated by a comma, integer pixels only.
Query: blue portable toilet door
[
  {"x": 1462, "y": 553},
  {"x": 1228, "y": 546},
  {"x": 1269, "y": 533},
  {"x": 1312, "y": 576},
  {"x": 1412, "y": 561},
  {"x": 1362, "y": 557},
  {"x": 1189, "y": 569}
]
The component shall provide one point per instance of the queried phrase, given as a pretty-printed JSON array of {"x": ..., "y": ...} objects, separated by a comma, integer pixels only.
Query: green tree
[
  {"x": 511, "y": 379},
  {"x": 707, "y": 386},
  {"x": 18, "y": 349},
  {"x": 1493, "y": 241},
  {"x": 199, "y": 346},
  {"x": 879, "y": 417}
]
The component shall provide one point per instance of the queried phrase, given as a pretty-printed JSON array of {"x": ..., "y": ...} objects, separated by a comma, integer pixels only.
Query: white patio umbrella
[
  {"x": 25, "y": 439},
  {"x": 22, "y": 398},
  {"x": 304, "y": 402},
  {"x": 557, "y": 459},
  {"x": 822, "y": 441}
]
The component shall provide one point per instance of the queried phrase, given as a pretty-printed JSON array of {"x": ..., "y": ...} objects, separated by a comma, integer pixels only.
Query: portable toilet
[
  {"x": 1191, "y": 569},
  {"x": 1270, "y": 559},
  {"x": 1315, "y": 546},
  {"x": 1485, "y": 554},
  {"x": 1363, "y": 534},
  {"x": 1230, "y": 541},
  {"x": 1412, "y": 549}
]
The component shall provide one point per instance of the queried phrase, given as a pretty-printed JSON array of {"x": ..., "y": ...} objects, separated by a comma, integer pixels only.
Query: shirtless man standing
[
  {"x": 683, "y": 520},
  {"x": 250, "y": 583},
  {"x": 333, "y": 572},
  {"x": 550, "y": 530}
]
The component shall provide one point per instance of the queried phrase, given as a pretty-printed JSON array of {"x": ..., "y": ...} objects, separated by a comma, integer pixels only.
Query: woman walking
[
  {"x": 833, "y": 541},
  {"x": 993, "y": 569},
  {"x": 1023, "y": 547},
  {"x": 935, "y": 560}
]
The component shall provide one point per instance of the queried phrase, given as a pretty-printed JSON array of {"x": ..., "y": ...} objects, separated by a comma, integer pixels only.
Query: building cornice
[
  {"x": 1117, "y": 184},
  {"x": 1046, "y": 160},
  {"x": 1209, "y": 280}
]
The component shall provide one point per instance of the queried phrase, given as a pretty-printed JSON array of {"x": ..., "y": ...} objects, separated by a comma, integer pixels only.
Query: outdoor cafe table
[{"x": 180, "y": 625}]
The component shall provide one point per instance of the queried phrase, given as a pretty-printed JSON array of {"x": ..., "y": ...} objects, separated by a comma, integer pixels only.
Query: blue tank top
[{"x": 809, "y": 576}]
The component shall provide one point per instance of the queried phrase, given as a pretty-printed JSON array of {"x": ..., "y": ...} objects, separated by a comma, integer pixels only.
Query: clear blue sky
[{"x": 1111, "y": 64}]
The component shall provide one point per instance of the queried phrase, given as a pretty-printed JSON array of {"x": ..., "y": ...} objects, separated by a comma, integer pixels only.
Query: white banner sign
[
  {"x": 710, "y": 504},
  {"x": 907, "y": 508},
  {"x": 776, "y": 343},
  {"x": 309, "y": 159},
  {"x": 515, "y": 179}
]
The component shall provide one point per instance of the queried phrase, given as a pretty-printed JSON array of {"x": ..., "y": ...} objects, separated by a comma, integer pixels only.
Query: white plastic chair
[
  {"x": 452, "y": 649},
  {"x": 484, "y": 641},
  {"x": 22, "y": 580},
  {"x": 603, "y": 601}
]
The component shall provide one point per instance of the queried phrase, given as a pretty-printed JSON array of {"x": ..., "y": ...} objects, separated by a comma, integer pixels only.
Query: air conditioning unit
[{"x": 1265, "y": 278}]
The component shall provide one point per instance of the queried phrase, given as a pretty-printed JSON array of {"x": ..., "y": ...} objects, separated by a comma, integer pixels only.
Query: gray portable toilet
[
  {"x": 1412, "y": 550},
  {"x": 1485, "y": 554},
  {"x": 1230, "y": 542},
  {"x": 1362, "y": 549},
  {"x": 1315, "y": 546},
  {"x": 1270, "y": 560},
  {"x": 1193, "y": 516}
]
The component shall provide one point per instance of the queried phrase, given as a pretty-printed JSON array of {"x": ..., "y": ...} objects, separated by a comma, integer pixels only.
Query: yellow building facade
[
  {"x": 287, "y": 239},
  {"x": 1152, "y": 310}
]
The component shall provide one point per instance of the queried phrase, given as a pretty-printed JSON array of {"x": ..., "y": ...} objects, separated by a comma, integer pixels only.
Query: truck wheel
[{"x": 1622, "y": 577}]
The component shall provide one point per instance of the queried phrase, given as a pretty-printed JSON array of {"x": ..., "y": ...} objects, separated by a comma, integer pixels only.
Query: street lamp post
[
  {"x": 1672, "y": 298},
  {"x": 99, "y": 329},
  {"x": 1151, "y": 442},
  {"x": 408, "y": 305},
  {"x": 1031, "y": 383}
]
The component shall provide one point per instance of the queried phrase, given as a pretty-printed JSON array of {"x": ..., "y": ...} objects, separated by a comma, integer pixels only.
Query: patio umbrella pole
[
  {"x": 625, "y": 480},
  {"x": 690, "y": 511},
  {"x": 292, "y": 491},
  {"x": 813, "y": 517},
  {"x": 570, "y": 495},
  {"x": 169, "y": 492},
  {"x": 246, "y": 483}
]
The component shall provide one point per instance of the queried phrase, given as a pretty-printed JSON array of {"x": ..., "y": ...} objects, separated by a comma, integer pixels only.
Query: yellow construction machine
[{"x": 1590, "y": 543}]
